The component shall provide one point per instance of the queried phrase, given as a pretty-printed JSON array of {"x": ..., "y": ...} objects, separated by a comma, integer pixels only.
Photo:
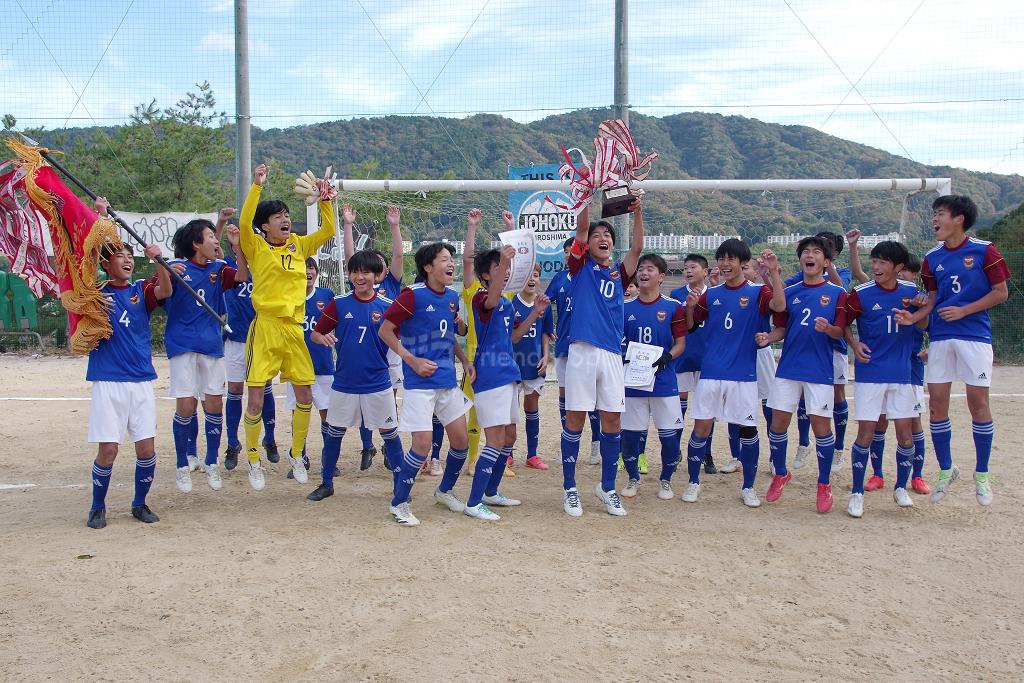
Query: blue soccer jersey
[
  {"x": 238, "y": 305},
  {"x": 362, "y": 366},
  {"x": 127, "y": 355},
  {"x": 494, "y": 361},
  {"x": 322, "y": 356},
  {"x": 807, "y": 353},
  {"x": 559, "y": 291},
  {"x": 891, "y": 344},
  {"x": 916, "y": 364},
  {"x": 962, "y": 276},
  {"x": 426, "y": 323},
  {"x": 694, "y": 351},
  {"x": 733, "y": 317},
  {"x": 657, "y": 323},
  {"x": 597, "y": 298},
  {"x": 189, "y": 327},
  {"x": 530, "y": 349},
  {"x": 846, "y": 277}
]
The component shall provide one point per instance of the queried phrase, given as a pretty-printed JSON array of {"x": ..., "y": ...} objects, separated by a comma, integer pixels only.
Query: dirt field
[{"x": 241, "y": 585}]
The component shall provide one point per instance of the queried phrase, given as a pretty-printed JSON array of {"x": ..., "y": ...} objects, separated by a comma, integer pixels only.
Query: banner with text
[
  {"x": 158, "y": 228},
  {"x": 532, "y": 212}
]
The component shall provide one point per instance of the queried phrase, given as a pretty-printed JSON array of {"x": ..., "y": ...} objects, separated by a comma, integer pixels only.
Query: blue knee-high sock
[
  {"x": 942, "y": 433},
  {"x": 331, "y": 453},
  {"x": 269, "y": 414},
  {"x": 405, "y": 476},
  {"x": 485, "y": 465},
  {"x": 877, "y": 453},
  {"x": 611, "y": 444},
  {"x": 750, "y": 451},
  {"x": 859, "y": 463},
  {"x": 778, "y": 443},
  {"x": 766, "y": 411},
  {"x": 497, "y": 472},
  {"x": 803, "y": 425},
  {"x": 643, "y": 442},
  {"x": 570, "y": 448},
  {"x": 436, "y": 438},
  {"x": 193, "y": 435},
  {"x": 532, "y": 433},
  {"x": 826, "y": 447},
  {"x": 214, "y": 427},
  {"x": 365, "y": 436},
  {"x": 233, "y": 416},
  {"x": 983, "y": 434},
  {"x": 561, "y": 410},
  {"x": 918, "y": 454},
  {"x": 595, "y": 428},
  {"x": 630, "y": 451},
  {"x": 840, "y": 415},
  {"x": 684, "y": 403},
  {"x": 669, "y": 452},
  {"x": 392, "y": 447},
  {"x": 696, "y": 449},
  {"x": 452, "y": 467},
  {"x": 180, "y": 429},
  {"x": 734, "y": 441},
  {"x": 145, "y": 470},
  {"x": 100, "y": 484},
  {"x": 707, "y": 441},
  {"x": 904, "y": 463}
]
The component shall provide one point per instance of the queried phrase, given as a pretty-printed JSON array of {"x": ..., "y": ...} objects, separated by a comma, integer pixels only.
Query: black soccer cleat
[
  {"x": 320, "y": 492},
  {"x": 709, "y": 465},
  {"x": 231, "y": 457},
  {"x": 144, "y": 514},
  {"x": 272, "y": 454},
  {"x": 366, "y": 458},
  {"x": 97, "y": 518}
]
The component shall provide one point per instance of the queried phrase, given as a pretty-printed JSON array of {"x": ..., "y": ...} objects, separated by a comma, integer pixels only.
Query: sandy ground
[{"x": 269, "y": 586}]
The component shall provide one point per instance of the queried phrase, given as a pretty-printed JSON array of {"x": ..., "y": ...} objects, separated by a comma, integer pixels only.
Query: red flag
[{"x": 76, "y": 232}]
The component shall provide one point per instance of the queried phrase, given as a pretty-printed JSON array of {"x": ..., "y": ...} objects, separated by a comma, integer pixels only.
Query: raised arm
[
  {"x": 348, "y": 220},
  {"x": 855, "y": 267},
  {"x": 636, "y": 245},
  {"x": 223, "y": 216},
  {"x": 468, "y": 252},
  {"x": 771, "y": 262},
  {"x": 539, "y": 308},
  {"x": 397, "y": 264},
  {"x": 164, "y": 284},
  {"x": 508, "y": 252},
  {"x": 247, "y": 237},
  {"x": 241, "y": 263},
  {"x": 583, "y": 224}
]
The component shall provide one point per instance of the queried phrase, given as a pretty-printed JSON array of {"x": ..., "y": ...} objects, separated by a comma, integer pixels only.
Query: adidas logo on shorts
[
  {"x": 430, "y": 308},
  {"x": 750, "y": 417},
  {"x": 983, "y": 376},
  {"x": 388, "y": 420}
]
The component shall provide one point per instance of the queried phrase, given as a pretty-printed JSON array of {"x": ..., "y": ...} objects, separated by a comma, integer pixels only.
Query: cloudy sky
[{"x": 939, "y": 81}]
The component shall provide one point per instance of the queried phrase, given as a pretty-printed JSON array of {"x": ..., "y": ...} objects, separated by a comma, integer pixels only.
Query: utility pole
[
  {"x": 623, "y": 224},
  {"x": 243, "y": 141}
]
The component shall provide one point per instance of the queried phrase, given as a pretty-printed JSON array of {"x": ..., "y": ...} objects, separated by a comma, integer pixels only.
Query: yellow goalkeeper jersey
[{"x": 279, "y": 272}]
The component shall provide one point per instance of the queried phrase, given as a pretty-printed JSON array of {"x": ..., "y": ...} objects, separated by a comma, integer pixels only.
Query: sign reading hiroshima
[{"x": 532, "y": 211}]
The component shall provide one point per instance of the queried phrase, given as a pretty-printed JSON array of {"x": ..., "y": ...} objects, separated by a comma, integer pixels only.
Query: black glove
[
  {"x": 662, "y": 362},
  {"x": 624, "y": 361}
]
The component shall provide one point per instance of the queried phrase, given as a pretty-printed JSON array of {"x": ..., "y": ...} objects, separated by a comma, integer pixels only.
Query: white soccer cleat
[
  {"x": 183, "y": 479},
  {"x": 983, "y": 489},
  {"x": 750, "y": 498},
  {"x": 611, "y": 501},
  {"x": 730, "y": 466},
  {"x": 631, "y": 489},
  {"x": 298, "y": 469},
  {"x": 855, "y": 508},
  {"x": 502, "y": 501},
  {"x": 691, "y": 493},
  {"x": 256, "y": 480},
  {"x": 837, "y": 460},
  {"x": 665, "y": 490},
  {"x": 213, "y": 477},
  {"x": 403, "y": 514},
  {"x": 595, "y": 453},
  {"x": 193, "y": 463},
  {"x": 449, "y": 500},
  {"x": 480, "y": 512},
  {"x": 902, "y": 498},
  {"x": 571, "y": 502},
  {"x": 946, "y": 479},
  {"x": 801, "y": 456},
  {"x": 435, "y": 467}
]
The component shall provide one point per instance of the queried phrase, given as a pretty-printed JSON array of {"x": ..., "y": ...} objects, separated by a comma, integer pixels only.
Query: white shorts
[
  {"x": 119, "y": 407},
  {"x": 840, "y": 367},
  {"x": 497, "y": 406},
  {"x": 193, "y": 374},
  {"x": 595, "y": 380},
  {"x": 895, "y": 401},
  {"x": 395, "y": 370},
  {"x": 726, "y": 401},
  {"x": 321, "y": 393},
  {"x": 687, "y": 381},
  {"x": 560, "y": 370},
  {"x": 919, "y": 395},
  {"x": 765, "y": 372},
  {"x": 818, "y": 398},
  {"x": 532, "y": 386},
  {"x": 234, "y": 357},
  {"x": 665, "y": 410},
  {"x": 420, "y": 405},
  {"x": 950, "y": 360},
  {"x": 376, "y": 411}
]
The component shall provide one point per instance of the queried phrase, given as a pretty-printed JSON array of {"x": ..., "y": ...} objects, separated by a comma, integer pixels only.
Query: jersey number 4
[{"x": 124, "y": 320}]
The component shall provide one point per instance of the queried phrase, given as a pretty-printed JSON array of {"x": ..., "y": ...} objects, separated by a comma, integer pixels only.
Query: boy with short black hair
[{"x": 964, "y": 277}]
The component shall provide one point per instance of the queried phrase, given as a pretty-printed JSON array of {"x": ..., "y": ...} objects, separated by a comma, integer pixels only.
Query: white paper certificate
[
  {"x": 522, "y": 264},
  {"x": 639, "y": 372}
]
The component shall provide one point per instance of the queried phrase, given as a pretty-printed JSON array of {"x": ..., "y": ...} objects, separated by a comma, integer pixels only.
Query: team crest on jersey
[
  {"x": 213, "y": 278},
  {"x": 661, "y": 316},
  {"x": 291, "y": 247},
  {"x": 375, "y": 317},
  {"x": 825, "y": 298},
  {"x": 744, "y": 301},
  {"x": 614, "y": 275},
  {"x": 968, "y": 261},
  {"x": 319, "y": 305},
  {"x": 134, "y": 299}
]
